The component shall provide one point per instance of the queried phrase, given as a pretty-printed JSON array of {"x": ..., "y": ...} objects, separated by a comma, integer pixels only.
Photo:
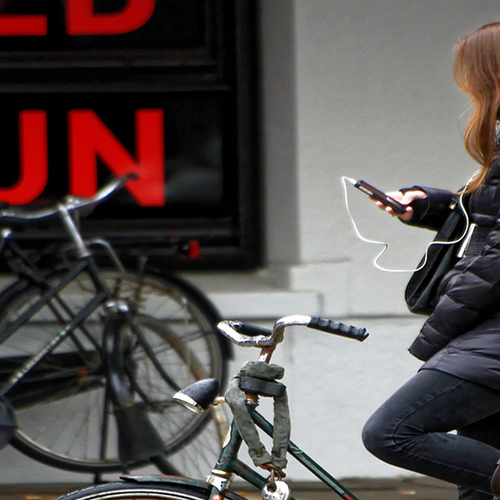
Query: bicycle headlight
[{"x": 199, "y": 395}]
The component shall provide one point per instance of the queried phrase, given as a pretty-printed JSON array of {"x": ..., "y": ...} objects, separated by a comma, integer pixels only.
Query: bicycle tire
[
  {"x": 145, "y": 491},
  {"x": 80, "y": 439}
]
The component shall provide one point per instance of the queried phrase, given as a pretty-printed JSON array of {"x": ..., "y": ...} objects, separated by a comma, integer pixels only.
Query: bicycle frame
[
  {"x": 138, "y": 440},
  {"x": 228, "y": 463},
  {"x": 117, "y": 314},
  {"x": 86, "y": 264},
  {"x": 102, "y": 295}
]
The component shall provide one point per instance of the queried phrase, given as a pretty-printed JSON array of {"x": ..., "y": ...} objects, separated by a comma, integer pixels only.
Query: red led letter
[
  {"x": 89, "y": 138},
  {"x": 23, "y": 25},
  {"x": 82, "y": 20},
  {"x": 33, "y": 164}
]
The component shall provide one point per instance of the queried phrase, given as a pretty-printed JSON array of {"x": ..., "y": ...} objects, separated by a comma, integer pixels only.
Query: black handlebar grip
[
  {"x": 250, "y": 330},
  {"x": 329, "y": 326}
]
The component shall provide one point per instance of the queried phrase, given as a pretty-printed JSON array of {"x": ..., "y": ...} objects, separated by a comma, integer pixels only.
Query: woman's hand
[{"x": 404, "y": 199}]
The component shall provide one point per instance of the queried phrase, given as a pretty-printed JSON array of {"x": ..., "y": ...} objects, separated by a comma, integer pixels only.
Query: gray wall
[{"x": 363, "y": 89}]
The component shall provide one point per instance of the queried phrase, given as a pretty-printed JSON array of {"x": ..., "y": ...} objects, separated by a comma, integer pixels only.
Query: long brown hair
[{"x": 477, "y": 73}]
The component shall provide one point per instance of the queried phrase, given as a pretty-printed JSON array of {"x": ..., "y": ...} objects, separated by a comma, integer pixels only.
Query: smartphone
[{"x": 380, "y": 196}]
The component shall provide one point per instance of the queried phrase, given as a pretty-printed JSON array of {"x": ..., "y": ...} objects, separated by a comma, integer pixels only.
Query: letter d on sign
[{"x": 82, "y": 20}]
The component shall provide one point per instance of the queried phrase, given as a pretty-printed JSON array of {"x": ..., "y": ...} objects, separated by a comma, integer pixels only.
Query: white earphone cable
[{"x": 386, "y": 245}]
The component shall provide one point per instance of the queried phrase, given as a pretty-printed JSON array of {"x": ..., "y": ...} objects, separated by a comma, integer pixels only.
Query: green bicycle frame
[{"x": 228, "y": 463}]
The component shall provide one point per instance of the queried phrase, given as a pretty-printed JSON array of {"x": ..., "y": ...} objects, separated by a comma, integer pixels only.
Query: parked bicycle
[
  {"x": 91, "y": 353},
  {"x": 254, "y": 380}
]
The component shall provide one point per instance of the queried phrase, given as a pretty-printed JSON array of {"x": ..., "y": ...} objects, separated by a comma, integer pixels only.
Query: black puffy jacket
[{"x": 462, "y": 335}]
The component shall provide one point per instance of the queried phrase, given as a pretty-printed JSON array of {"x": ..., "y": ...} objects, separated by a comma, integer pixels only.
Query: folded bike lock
[
  {"x": 260, "y": 378},
  {"x": 137, "y": 438}
]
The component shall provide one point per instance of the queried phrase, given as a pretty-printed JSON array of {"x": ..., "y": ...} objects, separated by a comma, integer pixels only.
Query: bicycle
[
  {"x": 217, "y": 485},
  {"x": 90, "y": 356}
]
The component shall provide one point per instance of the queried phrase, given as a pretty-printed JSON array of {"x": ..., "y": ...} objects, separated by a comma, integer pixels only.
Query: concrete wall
[{"x": 363, "y": 89}]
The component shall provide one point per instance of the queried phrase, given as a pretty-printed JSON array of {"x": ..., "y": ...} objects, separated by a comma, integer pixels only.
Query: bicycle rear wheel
[{"x": 63, "y": 406}]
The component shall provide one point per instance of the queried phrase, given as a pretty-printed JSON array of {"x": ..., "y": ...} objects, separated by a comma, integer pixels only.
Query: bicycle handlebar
[
  {"x": 70, "y": 203},
  {"x": 338, "y": 328},
  {"x": 252, "y": 336}
]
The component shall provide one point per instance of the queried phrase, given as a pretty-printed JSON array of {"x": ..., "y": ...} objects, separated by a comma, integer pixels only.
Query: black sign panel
[{"x": 163, "y": 88}]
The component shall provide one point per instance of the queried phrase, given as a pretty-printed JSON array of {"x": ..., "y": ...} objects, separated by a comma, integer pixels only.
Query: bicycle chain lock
[{"x": 257, "y": 378}]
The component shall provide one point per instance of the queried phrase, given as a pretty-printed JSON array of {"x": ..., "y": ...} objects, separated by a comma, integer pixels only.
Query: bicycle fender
[{"x": 162, "y": 479}]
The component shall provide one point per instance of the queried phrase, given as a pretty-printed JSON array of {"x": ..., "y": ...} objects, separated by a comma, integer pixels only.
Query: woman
[{"x": 458, "y": 387}]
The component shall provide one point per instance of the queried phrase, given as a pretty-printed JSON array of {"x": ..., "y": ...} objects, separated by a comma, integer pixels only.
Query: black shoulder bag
[{"x": 421, "y": 292}]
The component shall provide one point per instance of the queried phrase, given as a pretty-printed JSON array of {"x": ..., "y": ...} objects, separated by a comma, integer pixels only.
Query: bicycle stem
[
  {"x": 73, "y": 232},
  {"x": 266, "y": 354}
]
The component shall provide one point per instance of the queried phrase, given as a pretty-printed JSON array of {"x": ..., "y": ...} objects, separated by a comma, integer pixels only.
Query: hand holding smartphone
[{"x": 379, "y": 195}]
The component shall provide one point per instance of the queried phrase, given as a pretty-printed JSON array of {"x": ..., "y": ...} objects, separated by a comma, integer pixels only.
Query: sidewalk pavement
[{"x": 418, "y": 488}]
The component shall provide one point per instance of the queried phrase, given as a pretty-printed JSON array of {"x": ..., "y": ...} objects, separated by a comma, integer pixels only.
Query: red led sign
[
  {"x": 89, "y": 139},
  {"x": 81, "y": 19}
]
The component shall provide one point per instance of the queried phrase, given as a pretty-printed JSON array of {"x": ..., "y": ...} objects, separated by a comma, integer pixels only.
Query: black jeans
[{"x": 412, "y": 430}]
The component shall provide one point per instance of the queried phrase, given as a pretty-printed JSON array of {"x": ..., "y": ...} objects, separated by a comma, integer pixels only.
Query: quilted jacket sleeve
[{"x": 468, "y": 296}]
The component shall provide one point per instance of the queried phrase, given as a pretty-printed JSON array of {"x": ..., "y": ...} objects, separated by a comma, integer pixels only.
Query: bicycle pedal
[{"x": 282, "y": 491}]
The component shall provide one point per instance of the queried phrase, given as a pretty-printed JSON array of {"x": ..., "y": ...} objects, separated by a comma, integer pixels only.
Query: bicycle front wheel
[
  {"x": 138, "y": 491},
  {"x": 63, "y": 407}
]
